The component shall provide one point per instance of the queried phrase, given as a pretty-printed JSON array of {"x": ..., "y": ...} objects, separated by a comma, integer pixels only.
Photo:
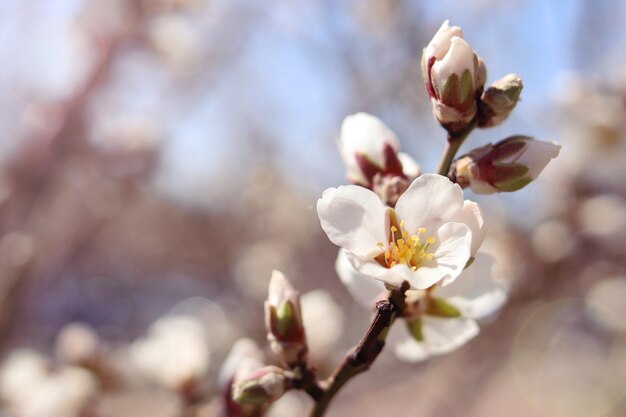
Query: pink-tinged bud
[
  {"x": 453, "y": 75},
  {"x": 506, "y": 166},
  {"x": 370, "y": 149},
  {"x": 283, "y": 319},
  {"x": 262, "y": 386},
  {"x": 499, "y": 100}
]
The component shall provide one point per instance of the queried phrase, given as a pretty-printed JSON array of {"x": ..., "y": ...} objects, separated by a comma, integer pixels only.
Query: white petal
[
  {"x": 410, "y": 167},
  {"x": 472, "y": 217},
  {"x": 430, "y": 201},
  {"x": 363, "y": 288},
  {"x": 440, "y": 43},
  {"x": 475, "y": 293},
  {"x": 354, "y": 218},
  {"x": 441, "y": 335},
  {"x": 460, "y": 57},
  {"x": 393, "y": 276},
  {"x": 365, "y": 134},
  {"x": 407, "y": 349},
  {"x": 452, "y": 250},
  {"x": 536, "y": 156},
  {"x": 280, "y": 289}
]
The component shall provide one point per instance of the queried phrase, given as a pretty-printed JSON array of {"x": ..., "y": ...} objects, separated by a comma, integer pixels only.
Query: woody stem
[
  {"x": 363, "y": 355},
  {"x": 454, "y": 142}
]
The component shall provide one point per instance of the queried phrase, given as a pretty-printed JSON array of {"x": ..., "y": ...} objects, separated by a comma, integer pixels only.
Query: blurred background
[{"x": 158, "y": 158}]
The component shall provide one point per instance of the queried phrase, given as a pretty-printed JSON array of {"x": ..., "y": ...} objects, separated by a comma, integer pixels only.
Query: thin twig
[
  {"x": 452, "y": 146},
  {"x": 363, "y": 355}
]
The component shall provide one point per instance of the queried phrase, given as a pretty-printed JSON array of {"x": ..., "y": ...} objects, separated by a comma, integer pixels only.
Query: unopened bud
[
  {"x": 265, "y": 385},
  {"x": 453, "y": 75},
  {"x": 506, "y": 166},
  {"x": 499, "y": 100},
  {"x": 369, "y": 148},
  {"x": 283, "y": 319}
]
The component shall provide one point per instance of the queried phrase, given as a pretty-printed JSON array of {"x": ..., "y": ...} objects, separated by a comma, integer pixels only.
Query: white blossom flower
[
  {"x": 31, "y": 388},
  {"x": 174, "y": 352},
  {"x": 439, "y": 320},
  {"x": 368, "y": 147},
  {"x": 428, "y": 238},
  {"x": 244, "y": 357},
  {"x": 324, "y": 322}
]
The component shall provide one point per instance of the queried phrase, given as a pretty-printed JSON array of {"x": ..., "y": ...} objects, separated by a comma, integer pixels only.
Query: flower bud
[
  {"x": 453, "y": 75},
  {"x": 283, "y": 319},
  {"x": 370, "y": 149},
  {"x": 507, "y": 166},
  {"x": 264, "y": 385},
  {"x": 499, "y": 100}
]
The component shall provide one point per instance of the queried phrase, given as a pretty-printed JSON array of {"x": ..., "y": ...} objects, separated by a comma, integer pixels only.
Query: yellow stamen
[{"x": 404, "y": 248}]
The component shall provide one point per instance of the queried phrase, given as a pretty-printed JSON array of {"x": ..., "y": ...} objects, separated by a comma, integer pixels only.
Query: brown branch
[{"x": 363, "y": 355}]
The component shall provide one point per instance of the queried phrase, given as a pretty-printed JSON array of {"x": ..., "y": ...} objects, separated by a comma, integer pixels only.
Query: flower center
[{"x": 411, "y": 250}]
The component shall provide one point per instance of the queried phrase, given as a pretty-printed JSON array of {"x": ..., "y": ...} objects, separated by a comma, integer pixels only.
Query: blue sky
[{"x": 288, "y": 84}]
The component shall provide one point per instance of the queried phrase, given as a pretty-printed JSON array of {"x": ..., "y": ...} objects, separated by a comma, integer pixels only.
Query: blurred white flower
[
  {"x": 368, "y": 147},
  {"x": 439, "y": 320},
  {"x": 553, "y": 240},
  {"x": 176, "y": 41},
  {"x": 428, "y": 238},
  {"x": 174, "y": 352},
  {"x": 139, "y": 402},
  {"x": 324, "y": 323},
  {"x": 606, "y": 304},
  {"x": 603, "y": 217},
  {"x": 245, "y": 356},
  {"x": 77, "y": 343},
  {"x": 30, "y": 388},
  {"x": 291, "y": 404}
]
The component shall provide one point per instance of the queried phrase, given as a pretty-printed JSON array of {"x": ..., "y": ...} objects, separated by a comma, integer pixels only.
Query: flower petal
[
  {"x": 472, "y": 217},
  {"x": 458, "y": 58},
  {"x": 367, "y": 135},
  {"x": 452, "y": 250},
  {"x": 363, "y": 288},
  {"x": 441, "y": 335},
  {"x": 410, "y": 167},
  {"x": 440, "y": 43},
  {"x": 354, "y": 218},
  {"x": 428, "y": 202},
  {"x": 392, "y": 276},
  {"x": 475, "y": 293}
]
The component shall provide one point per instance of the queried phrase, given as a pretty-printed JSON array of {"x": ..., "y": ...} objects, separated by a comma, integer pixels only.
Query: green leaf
[
  {"x": 415, "y": 328},
  {"x": 284, "y": 314},
  {"x": 466, "y": 87},
  {"x": 448, "y": 93},
  {"x": 439, "y": 308},
  {"x": 514, "y": 184}
]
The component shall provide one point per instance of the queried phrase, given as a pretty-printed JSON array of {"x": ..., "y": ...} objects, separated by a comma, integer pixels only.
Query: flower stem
[
  {"x": 361, "y": 357},
  {"x": 455, "y": 140}
]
